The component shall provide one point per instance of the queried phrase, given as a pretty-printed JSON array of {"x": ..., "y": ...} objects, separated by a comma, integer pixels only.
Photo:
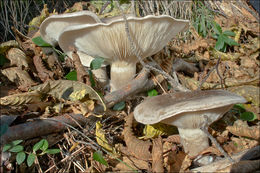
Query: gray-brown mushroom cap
[{"x": 162, "y": 107}]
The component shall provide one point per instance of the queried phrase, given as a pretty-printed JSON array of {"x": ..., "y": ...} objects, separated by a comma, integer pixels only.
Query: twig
[
  {"x": 211, "y": 70},
  {"x": 133, "y": 48},
  {"x": 104, "y": 7},
  {"x": 213, "y": 140}
]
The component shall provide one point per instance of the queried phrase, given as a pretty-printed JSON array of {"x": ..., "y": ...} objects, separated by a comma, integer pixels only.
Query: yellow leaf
[
  {"x": 155, "y": 130},
  {"x": 101, "y": 139}
]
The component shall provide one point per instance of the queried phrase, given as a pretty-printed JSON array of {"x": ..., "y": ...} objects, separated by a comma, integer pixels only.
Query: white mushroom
[
  {"x": 109, "y": 40},
  {"x": 186, "y": 110},
  {"x": 52, "y": 27}
]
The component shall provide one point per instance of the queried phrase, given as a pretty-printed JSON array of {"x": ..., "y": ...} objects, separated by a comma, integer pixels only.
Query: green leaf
[
  {"x": 52, "y": 151},
  {"x": 240, "y": 107},
  {"x": 220, "y": 43},
  {"x": 91, "y": 78},
  {"x": 20, "y": 157},
  {"x": 16, "y": 149},
  {"x": 16, "y": 142},
  {"x": 45, "y": 145},
  {"x": 30, "y": 159},
  {"x": 37, "y": 146},
  {"x": 152, "y": 92},
  {"x": 98, "y": 157},
  {"x": 248, "y": 116},
  {"x": 3, "y": 128},
  {"x": 96, "y": 63},
  {"x": 229, "y": 33},
  {"x": 71, "y": 75},
  {"x": 40, "y": 42},
  {"x": 119, "y": 106},
  {"x": 3, "y": 60},
  {"x": 230, "y": 41},
  {"x": 217, "y": 28},
  {"x": 203, "y": 27},
  {"x": 6, "y": 147}
]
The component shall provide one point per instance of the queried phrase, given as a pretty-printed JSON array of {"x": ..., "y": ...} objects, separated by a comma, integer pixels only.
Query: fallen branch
[{"x": 44, "y": 127}]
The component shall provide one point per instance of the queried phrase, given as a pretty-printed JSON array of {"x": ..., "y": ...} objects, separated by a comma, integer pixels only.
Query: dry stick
[
  {"x": 104, "y": 7},
  {"x": 211, "y": 70},
  {"x": 204, "y": 128},
  {"x": 133, "y": 48}
]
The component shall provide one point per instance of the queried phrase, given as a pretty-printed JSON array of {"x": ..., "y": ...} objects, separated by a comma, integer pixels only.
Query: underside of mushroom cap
[
  {"x": 52, "y": 26},
  {"x": 162, "y": 107},
  {"x": 109, "y": 40}
]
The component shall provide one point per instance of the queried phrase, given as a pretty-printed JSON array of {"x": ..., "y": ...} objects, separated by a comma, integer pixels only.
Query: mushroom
[
  {"x": 109, "y": 40},
  {"x": 52, "y": 27},
  {"x": 187, "y": 111}
]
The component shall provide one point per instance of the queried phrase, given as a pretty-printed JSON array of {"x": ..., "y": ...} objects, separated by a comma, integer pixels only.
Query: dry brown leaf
[
  {"x": 18, "y": 58},
  {"x": 240, "y": 128},
  {"x": 249, "y": 92},
  {"x": 43, "y": 73},
  {"x": 211, "y": 150},
  {"x": 22, "y": 98},
  {"x": 176, "y": 160},
  {"x": 157, "y": 155},
  {"x": 174, "y": 139},
  {"x": 132, "y": 162},
  {"x": 136, "y": 147},
  {"x": 186, "y": 163},
  {"x": 19, "y": 76},
  {"x": 63, "y": 88}
]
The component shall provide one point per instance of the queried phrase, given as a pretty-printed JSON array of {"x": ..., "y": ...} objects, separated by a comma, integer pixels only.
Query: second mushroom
[{"x": 187, "y": 111}]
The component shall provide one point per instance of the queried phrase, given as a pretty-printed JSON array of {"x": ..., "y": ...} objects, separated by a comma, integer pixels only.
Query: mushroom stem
[
  {"x": 121, "y": 73},
  {"x": 193, "y": 140}
]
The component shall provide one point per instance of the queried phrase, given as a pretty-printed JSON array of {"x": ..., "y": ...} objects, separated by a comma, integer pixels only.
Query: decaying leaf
[
  {"x": 19, "y": 76},
  {"x": 4, "y": 47},
  {"x": 22, "y": 98},
  {"x": 240, "y": 128},
  {"x": 101, "y": 138},
  {"x": 18, "y": 58},
  {"x": 133, "y": 163},
  {"x": 157, "y": 155},
  {"x": 136, "y": 147},
  {"x": 63, "y": 88},
  {"x": 43, "y": 73}
]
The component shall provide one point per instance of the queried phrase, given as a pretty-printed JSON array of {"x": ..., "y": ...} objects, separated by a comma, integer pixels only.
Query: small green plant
[
  {"x": 204, "y": 24},
  {"x": 119, "y": 106},
  {"x": 42, "y": 145},
  {"x": 243, "y": 114},
  {"x": 152, "y": 92},
  {"x": 99, "y": 157},
  {"x": 223, "y": 38}
]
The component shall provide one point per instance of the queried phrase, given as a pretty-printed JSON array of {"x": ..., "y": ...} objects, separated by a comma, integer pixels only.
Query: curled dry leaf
[
  {"x": 63, "y": 88},
  {"x": 174, "y": 139},
  {"x": 211, "y": 150},
  {"x": 136, "y": 147},
  {"x": 18, "y": 58},
  {"x": 20, "y": 99},
  {"x": 240, "y": 128},
  {"x": 43, "y": 73},
  {"x": 19, "y": 76},
  {"x": 157, "y": 155}
]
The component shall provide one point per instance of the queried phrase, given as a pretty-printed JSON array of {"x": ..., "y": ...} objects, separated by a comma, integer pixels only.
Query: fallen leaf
[
  {"x": 157, "y": 155},
  {"x": 22, "y": 98},
  {"x": 133, "y": 163},
  {"x": 18, "y": 58},
  {"x": 101, "y": 139}
]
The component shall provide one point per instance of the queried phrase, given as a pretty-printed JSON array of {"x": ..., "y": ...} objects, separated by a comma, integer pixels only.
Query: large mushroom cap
[
  {"x": 162, "y": 107},
  {"x": 109, "y": 40},
  {"x": 52, "y": 26}
]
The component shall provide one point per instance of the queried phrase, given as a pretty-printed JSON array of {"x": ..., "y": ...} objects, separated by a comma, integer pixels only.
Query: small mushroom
[
  {"x": 52, "y": 27},
  {"x": 109, "y": 40},
  {"x": 187, "y": 111}
]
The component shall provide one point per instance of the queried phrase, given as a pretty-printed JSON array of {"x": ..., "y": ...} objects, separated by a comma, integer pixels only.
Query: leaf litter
[{"x": 203, "y": 62}]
